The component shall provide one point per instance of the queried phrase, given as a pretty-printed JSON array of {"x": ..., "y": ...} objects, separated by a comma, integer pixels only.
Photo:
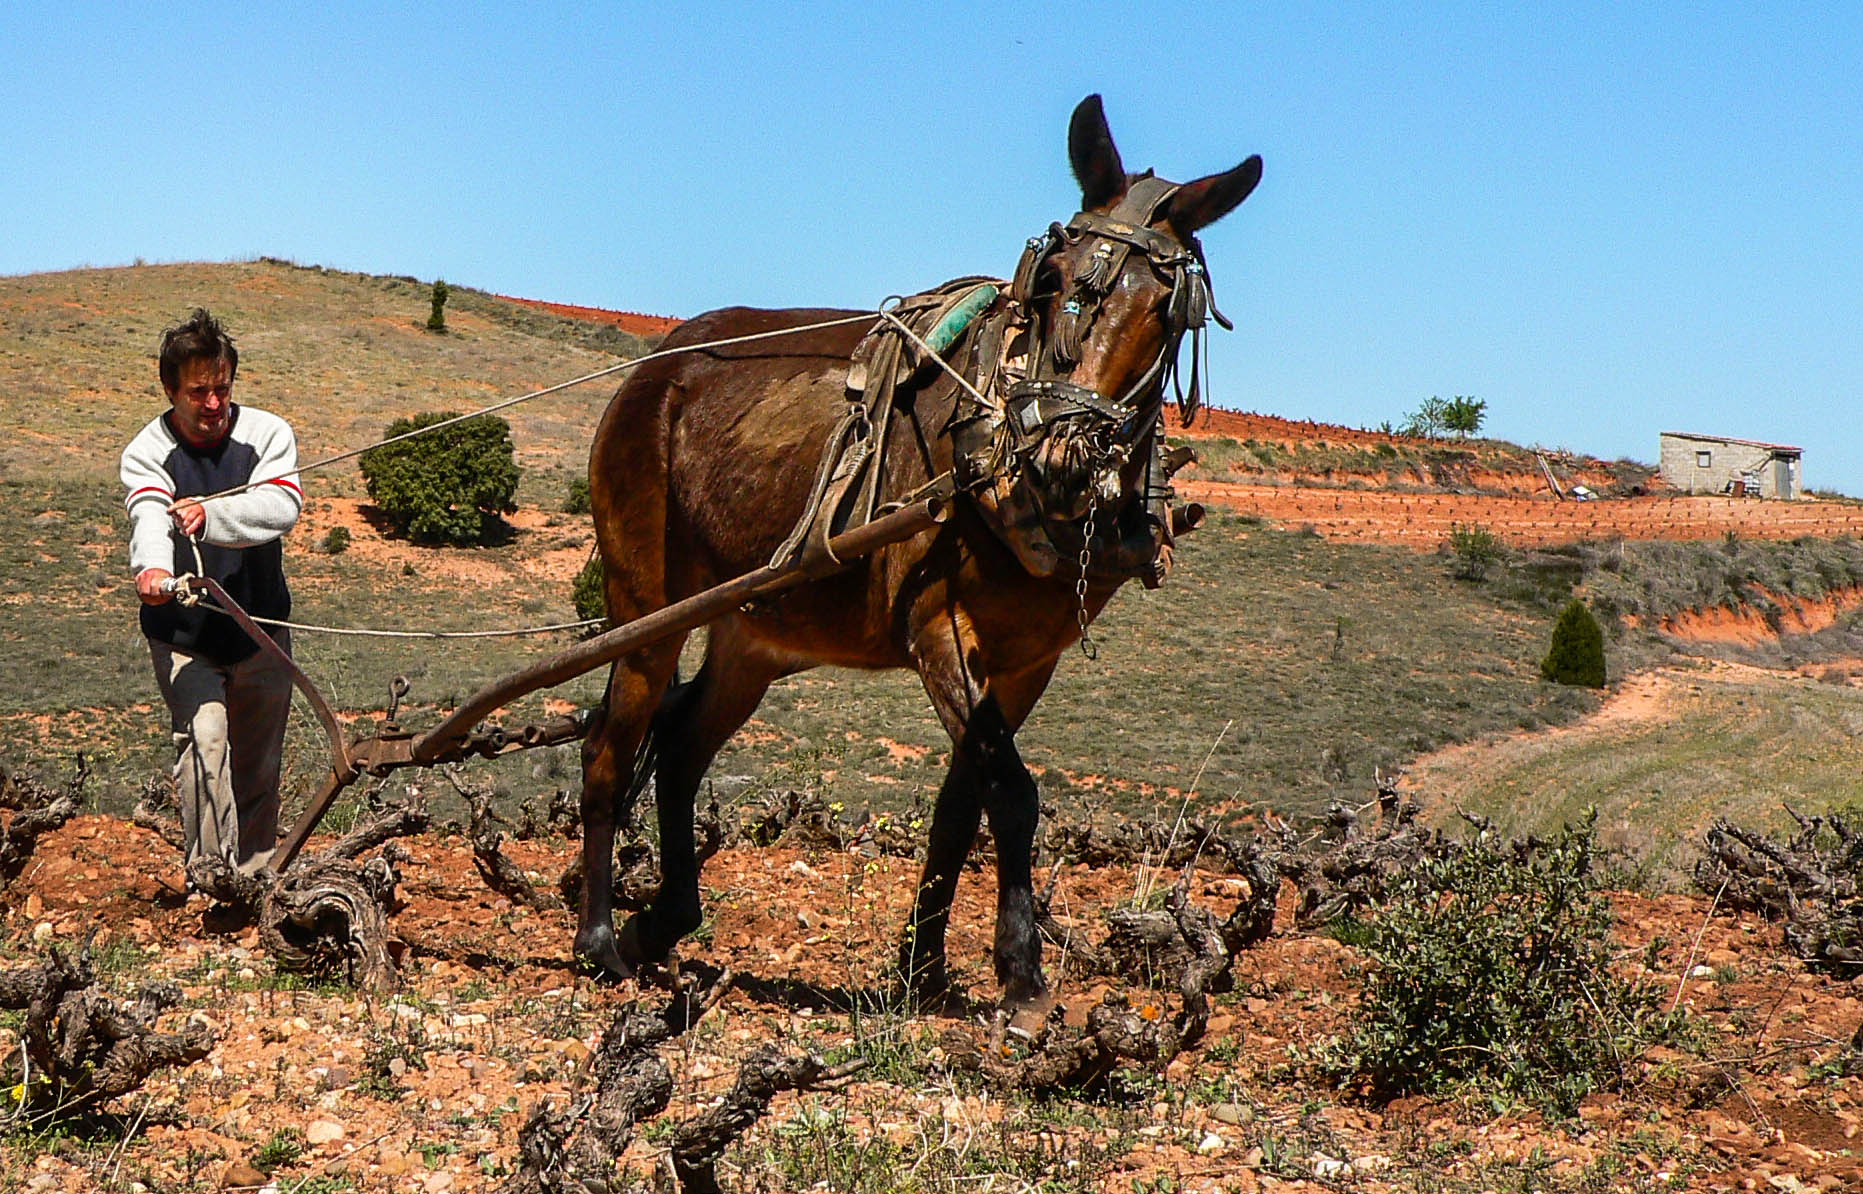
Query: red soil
[
  {"x": 1424, "y": 520},
  {"x": 504, "y": 1026},
  {"x": 1527, "y": 516},
  {"x": 1246, "y": 425},
  {"x": 627, "y": 321},
  {"x": 1748, "y": 627}
]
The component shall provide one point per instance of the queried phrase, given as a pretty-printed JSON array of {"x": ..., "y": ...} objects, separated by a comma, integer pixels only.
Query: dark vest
[{"x": 252, "y": 576}]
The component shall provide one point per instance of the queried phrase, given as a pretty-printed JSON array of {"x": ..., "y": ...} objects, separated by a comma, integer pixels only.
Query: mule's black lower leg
[
  {"x": 987, "y": 775},
  {"x": 953, "y": 831},
  {"x": 1013, "y": 818},
  {"x": 595, "y": 947},
  {"x": 1010, "y": 798},
  {"x": 694, "y": 722},
  {"x": 675, "y": 909},
  {"x": 615, "y": 759}
]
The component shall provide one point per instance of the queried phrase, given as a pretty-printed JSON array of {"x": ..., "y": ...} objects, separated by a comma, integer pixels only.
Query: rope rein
[
  {"x": 563, "y": 385},
  {"x": 187, "y": 595},
  {"x": 427, "y": 633},
  {"x": 179, "y": 587}
]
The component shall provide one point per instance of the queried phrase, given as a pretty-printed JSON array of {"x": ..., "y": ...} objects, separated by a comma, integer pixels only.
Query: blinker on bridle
[{"x": 1057, "y": 348}]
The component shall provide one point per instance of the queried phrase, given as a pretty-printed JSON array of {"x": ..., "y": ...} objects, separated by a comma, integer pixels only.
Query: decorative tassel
[
  {"x": 1069, "y": 327},
  {"x": 1097, "y": 278}
]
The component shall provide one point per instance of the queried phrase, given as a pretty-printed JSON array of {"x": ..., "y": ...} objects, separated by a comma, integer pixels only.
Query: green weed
[{"x": 1495, "y": 971}]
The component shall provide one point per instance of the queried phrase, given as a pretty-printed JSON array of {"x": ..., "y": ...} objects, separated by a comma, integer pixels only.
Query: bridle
[
  {"x": 1044, "y": 394},
  {"x": 1060, "y": 468}
]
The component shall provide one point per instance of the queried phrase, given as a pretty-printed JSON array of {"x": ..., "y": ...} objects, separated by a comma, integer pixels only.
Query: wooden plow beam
[{"x": 455, "y": 738}]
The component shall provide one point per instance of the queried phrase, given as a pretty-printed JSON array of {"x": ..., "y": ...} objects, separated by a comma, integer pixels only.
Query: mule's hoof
[
  {"x": 635, "y": 949},
  {"x": 596, "y": 954},
  {"x": 1027, "y": 1018}
]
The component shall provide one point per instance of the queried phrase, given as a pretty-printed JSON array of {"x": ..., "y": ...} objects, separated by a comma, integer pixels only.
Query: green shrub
[
  {"x": 1476, "y": 549},
  {"x": 336, "y": 542},
  {"x": 577, "y": 500},
  {"x": 587, "y": 591},
  {"x": 1494, "y": 972},
  {"x": 284, "y": 1148},
  {"x": 436, "y": 319},
  {"x": 1577, "y": 652},
  {"x": 446, "y": 486}
]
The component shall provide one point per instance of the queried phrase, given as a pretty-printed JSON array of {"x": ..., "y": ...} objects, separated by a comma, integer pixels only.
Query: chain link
[{"x": 1087, "y": 645}]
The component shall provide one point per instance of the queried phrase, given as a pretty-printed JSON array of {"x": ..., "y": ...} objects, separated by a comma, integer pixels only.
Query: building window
[{"x": 1704, "y": 458}]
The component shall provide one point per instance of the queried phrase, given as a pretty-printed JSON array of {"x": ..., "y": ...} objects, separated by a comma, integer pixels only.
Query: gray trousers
[{"x": 229, "y": 730}]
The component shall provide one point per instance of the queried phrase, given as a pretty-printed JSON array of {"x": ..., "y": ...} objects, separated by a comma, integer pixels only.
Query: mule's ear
[
  {"x": 1096, "y": 161},
  {"x": 1203, "y": 202}
]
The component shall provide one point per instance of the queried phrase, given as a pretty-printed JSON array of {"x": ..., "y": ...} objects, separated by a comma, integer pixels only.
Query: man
[{"x": 227, "y": 699}]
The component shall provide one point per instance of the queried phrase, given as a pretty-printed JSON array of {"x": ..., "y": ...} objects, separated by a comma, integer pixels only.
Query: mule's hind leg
[
  {"x": 694, "y": 723},
  {"x": 610, "y": 757},
  {"x": 987, "y": 777}
]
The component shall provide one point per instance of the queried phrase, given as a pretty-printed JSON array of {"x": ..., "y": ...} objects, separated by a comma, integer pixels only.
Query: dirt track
[{"x": 1424, "y": 520}]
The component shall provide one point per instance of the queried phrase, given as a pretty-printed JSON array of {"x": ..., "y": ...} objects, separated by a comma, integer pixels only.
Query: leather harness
[{"x": 1038, "y": 451}]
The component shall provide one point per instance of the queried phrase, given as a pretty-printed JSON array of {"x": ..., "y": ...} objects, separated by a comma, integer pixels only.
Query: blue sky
[{"x": 1606, "y": 221}]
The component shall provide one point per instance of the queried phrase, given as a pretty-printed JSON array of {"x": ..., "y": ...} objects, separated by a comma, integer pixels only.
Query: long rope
[
  {"x": 187, "y": 597},
  {"x": 564, "y": 385},
  {"x": 883, "y": 314},
  {"x": 929, "y": 351},
  {"x": 425, "y": 633}
]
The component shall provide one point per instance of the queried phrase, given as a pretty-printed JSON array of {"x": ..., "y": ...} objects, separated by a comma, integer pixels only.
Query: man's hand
[
  {"x": 149, "y": 585},
  {"x": 189, "y": 515}
]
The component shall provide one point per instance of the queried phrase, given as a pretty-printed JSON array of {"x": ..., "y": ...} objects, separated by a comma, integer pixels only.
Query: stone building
[{"x": 1740, "y": 467}]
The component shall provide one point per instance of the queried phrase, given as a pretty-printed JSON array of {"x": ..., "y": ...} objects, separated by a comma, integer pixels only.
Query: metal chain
[{"x": 1087, "y": 646}]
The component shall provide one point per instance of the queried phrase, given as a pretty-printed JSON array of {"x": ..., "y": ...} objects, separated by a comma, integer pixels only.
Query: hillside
[
  {"x": 1364, "y": 657},
  {"x": 339, "y": 354},
  {"x": 1357, "y": 486},
  {"x": 1317, "y": 636}
]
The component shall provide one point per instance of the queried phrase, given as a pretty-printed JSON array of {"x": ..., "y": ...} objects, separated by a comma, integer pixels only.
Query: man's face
[{"x": 203, "y": 400}]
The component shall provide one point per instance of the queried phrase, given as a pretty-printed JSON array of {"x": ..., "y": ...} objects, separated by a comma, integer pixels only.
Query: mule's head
[
  {"x": 1112, "y": 292},
  {"x": 1108, "y": 299}
]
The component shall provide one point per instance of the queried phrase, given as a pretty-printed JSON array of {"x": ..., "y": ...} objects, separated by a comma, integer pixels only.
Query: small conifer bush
[
  {"x": 336, "y": 542},
  {"x": 1476, "y": 549},
  {"x": 436, "y": 319},
  {"x": 577, "y": 500},
  {"x": 587, "y": 591},
  {"x": 1577, "y": 652},
  {"x": 447, "y": 486}
]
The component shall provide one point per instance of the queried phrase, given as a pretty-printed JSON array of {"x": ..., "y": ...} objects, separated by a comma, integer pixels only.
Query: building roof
[{"x": 1728, "y": 439}]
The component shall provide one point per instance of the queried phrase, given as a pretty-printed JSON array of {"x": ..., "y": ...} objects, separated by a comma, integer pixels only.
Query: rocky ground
[{"x": 324, "y": 1088}]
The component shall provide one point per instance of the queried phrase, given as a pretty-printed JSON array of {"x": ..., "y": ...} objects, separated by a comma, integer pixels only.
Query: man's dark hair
[{"x": 200, "y": 336}]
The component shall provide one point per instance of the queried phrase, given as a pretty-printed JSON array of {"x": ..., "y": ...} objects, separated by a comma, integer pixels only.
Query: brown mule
[{"x": 704, "y": 461}]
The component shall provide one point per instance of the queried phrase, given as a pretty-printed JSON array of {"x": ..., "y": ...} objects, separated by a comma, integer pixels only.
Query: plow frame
[{"x": 460, "y": 736}]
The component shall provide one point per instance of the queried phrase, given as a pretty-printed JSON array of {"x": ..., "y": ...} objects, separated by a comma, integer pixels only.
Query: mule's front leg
[
  {"x": 987, "y": 776},
  {"x": 955, "y": 818},
  {"x": 1013, "y": 804}
]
